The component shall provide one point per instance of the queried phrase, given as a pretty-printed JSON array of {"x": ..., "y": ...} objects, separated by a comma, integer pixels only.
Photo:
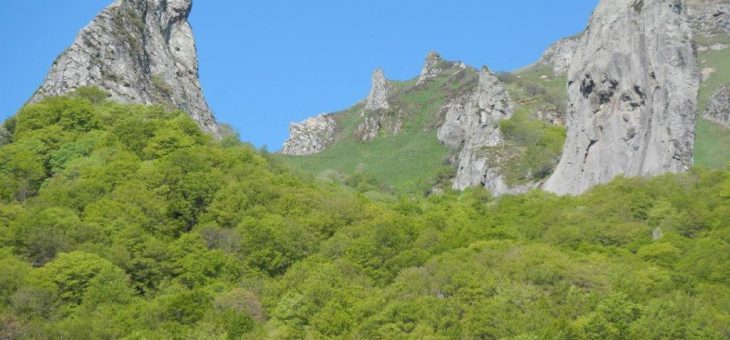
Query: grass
[
  {"x": 712, "y": 147},
  {"x": 555, "y": 87},
  {"x": 532, "y": 147},
  {"x": 712, "y": 143},
  {"x": 408, "y": 162},
  {"x": 411, "y": 161},
  {"x": 720, "y": 62}
]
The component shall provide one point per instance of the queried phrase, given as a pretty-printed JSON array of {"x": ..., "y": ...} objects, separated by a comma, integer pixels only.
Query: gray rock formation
[
  {"x": 310, "y": 136},
  {"x": 632, "y": 96},
  {"x": 376, "y": 112},
  {"x": 718, "y": 108},
  {"x": 709, "y": 17},
  {"x": 559, "y": 55},
  {"x": 139, "y": 51},
  {"x": 472, "y": 126},
  {"x": 435, "y": 66},
  {"x": 379, "y": 92},
  {"x": 378, "y": 121},
  {"x": 706, "y": 17}
]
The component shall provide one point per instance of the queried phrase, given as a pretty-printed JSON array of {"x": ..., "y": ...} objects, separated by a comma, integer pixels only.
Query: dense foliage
[{"x": 127, "y": 221}]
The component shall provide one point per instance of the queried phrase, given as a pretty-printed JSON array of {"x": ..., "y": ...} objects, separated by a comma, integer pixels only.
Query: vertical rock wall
[{"x": 632, "y": 89}]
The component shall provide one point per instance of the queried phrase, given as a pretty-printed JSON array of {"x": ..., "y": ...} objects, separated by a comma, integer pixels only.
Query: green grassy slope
[
  {"x": 411, "y": 161},
  {"x": 712, "y": 145}
]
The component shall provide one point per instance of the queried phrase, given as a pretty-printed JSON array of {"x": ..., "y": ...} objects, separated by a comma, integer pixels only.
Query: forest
[{"x": 127, "y": 221}]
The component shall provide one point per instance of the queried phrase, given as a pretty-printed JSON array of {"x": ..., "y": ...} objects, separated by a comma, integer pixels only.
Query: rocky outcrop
[
  {"x": 376, "y": 112},
  {"x": 718, "y": 108},
  {"x": 559, "y": 55},
  {"x": 139, "y": 51},
  {"x": 709, "y": 17},
  {"x": 379, "y": 92},
  {"x": 471, "y": 127},
  {"x": 435, "y": 67},
  {"x": 310, "y": 136},
  {"x": 378, "y": 121},
  {"x": 632, "y": 95}
]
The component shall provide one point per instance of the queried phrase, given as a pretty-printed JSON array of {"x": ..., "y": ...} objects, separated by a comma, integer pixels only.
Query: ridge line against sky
[{"x": 264, "y": 64}]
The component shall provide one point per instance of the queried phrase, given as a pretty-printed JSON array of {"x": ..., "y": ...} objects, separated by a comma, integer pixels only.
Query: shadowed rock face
[
  {"x": 632, "y": 94},
  {"x": 139, "y": 51},
  {"x": 718, "y": 108}
]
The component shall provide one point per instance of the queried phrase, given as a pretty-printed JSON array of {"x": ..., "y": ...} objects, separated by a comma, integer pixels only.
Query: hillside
[
  {"x": 406, "y": 155},
  {"x": 429, "y": 210},
  {"x": 409, "y": 160},
  {"x": 173, "y": 235},
  {"x": 530, "y": 139}
]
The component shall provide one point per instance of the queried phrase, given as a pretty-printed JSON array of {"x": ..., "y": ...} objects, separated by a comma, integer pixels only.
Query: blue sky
[{"x": 266, "y": 63}]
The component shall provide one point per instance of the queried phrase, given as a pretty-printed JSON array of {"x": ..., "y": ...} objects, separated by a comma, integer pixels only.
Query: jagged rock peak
[
  {"x": 718, "y": 108},
  {"x": 139, "y": 51},
  {"x": 632, "y": 96},
  {"x": 379, "y": 92},
  {"x": 435, "y": 66},
  {"x": 472, "y": 126},
  {"x": 310, "y": 136},
  {"x": 559, "y": 55}
]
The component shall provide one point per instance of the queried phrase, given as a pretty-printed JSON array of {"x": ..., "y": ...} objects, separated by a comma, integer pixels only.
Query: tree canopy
[{"x": 127, "y": 221}]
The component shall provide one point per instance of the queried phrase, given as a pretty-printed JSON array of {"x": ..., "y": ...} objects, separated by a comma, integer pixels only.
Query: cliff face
[
  {"x": 632, "y": 95},
  {"x": 706, "y": 18},
  {"x": 472, "y": 125},
  {"x": 139, "y": 51}
]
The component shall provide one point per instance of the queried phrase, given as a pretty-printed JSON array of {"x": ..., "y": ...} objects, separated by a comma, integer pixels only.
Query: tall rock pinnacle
[
  {"x": 632, "y": 92},
  {"x": 379, "y": 92},
  {"x": 139, "y": 51}
]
